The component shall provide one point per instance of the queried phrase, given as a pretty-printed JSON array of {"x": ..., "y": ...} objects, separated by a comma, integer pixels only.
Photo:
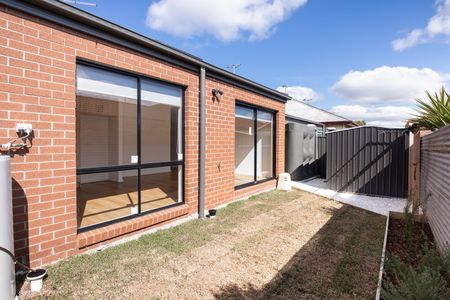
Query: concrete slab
[{"x": 379, "y": 205}]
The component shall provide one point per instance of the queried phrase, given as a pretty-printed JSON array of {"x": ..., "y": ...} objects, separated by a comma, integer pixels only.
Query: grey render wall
[
  {"x": 435, "y": 183},
  {"x": 368, "y": 160}
]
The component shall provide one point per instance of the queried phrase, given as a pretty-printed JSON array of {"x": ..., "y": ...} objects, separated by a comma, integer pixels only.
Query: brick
[
  {"x": 23, "y": 116},
  {"x": 13, "y": 89},
  {"x": 38, "y": 75},
  {"x": 24, "y": 46},
  {"x": 23, "y": 64},
  {"x": 37, "y": 108},
  {"x": 11, "y": 35},
  {"x": 11, "y": 71},
  {"x": 38, "y": 58},
  {"x": 23, "y": 81},
  {"x": 22, "y": 29},
  {"x": 11, "y": 106},
  {"x": 51, "y": 53},
  {"x": 51, "y": 70},
  {"x": 37, "y": 92},
  {"x": 11, "y": 52},
  {"x": 51, "y": 37}
]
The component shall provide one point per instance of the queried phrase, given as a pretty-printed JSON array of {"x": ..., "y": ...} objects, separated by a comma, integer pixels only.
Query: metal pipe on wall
[
  {"x": 202, "y": 148},
  {"x": 7, "y": 274}
]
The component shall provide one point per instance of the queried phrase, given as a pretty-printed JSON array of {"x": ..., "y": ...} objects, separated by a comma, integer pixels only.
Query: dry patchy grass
[{"x": 287, "y": 245}]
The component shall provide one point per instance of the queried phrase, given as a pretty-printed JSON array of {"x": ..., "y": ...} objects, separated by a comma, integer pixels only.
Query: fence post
[{"x": 413, "y": 171}]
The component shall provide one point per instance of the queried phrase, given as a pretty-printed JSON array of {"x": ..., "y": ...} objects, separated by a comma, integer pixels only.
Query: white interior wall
[
  {"x": 245, "y": 159},
  {"x": 244, "y": 156},
  {"x": 155, "y": 131},
  {"x": 264, "y": 152},
  {"x": 244, "y": 153},
  {"x": 107, "y": 140},
  {"x": 90, "y": 151}
]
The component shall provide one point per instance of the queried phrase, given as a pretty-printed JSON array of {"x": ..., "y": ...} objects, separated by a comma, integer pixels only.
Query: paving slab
[{"x": 379, "y": 205}]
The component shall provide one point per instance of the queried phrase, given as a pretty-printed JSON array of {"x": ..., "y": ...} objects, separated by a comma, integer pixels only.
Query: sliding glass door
[
  {"x": 161, "y": 141},
  {"x": 254, "y": 145},
  {"x": 129, "y": 145}
]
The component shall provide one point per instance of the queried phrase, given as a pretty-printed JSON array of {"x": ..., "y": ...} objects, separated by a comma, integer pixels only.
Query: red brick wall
[
  {"x": 37, "y": 72},
  {"x": 220, "y": 132}
]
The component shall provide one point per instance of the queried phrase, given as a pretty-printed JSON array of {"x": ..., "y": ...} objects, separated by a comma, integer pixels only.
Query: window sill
[
  {"x": 245, "y": 185},
  {"x": 109, "y": 232}
]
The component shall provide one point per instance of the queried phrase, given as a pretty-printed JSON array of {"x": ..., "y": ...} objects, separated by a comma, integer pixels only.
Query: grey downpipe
[{"x": 202, "y": 146}]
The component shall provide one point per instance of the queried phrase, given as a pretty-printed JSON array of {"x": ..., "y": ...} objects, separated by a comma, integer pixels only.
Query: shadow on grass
[{"x": 341, "y": 261}]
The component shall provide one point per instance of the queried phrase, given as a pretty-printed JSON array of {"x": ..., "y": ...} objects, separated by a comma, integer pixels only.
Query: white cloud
[
  {"x": 392, "y": 85},
  {"x": 414, "y": 37},
  {"x": 299, "y": 92},
  {"x": 438, "y": 26},
  {"x": 225, "y": 19},
  {"x": 384, "y": 116},
  {"x": 385, "y": 96}
]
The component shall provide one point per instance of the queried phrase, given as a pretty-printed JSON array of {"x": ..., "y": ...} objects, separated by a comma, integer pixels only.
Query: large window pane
[
  {"x": 254, "y": 143},
  {"x": 160, "y": 187},
  {"x": 264, "y": 145},
  {"x": 106, "y": 136},
  {"x": 104, "y": 197},
  {"x": 244, "y": 146},
  {"x": 160, "y": 122},
  {"x": 106, "y": 118}
]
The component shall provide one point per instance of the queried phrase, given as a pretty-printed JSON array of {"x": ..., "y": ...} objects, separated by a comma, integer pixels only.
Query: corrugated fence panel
[
  {"x": 368, "y": 160},
  {"x": 435, "y": 183},
  {"x": 322, "y": 156}
]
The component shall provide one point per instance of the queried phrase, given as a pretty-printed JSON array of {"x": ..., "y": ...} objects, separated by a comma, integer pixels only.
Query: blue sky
[{"x": 310, "y": 46}]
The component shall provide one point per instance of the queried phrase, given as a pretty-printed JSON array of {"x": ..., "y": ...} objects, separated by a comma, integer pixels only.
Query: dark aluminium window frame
[
  {"x": 274, "y": 113},
  {"x": 139, "y": 166}
]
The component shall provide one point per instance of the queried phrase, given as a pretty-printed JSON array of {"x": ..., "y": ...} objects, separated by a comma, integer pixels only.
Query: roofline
[
  {"x": 324, "y": 110},
  {"x": 77, "y": 19},
  {"x": 340, "y": 122},
  {"x": 295, "y": 118}
]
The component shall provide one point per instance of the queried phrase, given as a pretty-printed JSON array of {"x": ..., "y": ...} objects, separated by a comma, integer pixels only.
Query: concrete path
[{"x": 380, "y": 205}]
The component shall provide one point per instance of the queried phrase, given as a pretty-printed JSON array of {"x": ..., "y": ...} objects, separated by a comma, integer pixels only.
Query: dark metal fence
[
  {"x": 368, "y": 160},
  {"x": 435, "y": 183},
  {"x": 322, "y": 156}
]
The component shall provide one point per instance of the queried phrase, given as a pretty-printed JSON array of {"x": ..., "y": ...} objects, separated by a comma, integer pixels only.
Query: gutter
[
  {"x": 295, "y": 118},
  {"x": 71, "y": 17}
]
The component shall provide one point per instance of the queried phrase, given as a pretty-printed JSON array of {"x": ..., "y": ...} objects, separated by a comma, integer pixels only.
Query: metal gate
[
  {"x": 301, "y": 151},
  {"x": 368, "y": 160}
]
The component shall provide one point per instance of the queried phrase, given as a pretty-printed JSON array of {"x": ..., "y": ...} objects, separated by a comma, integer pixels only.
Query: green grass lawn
[{"x": 287, "y": 245}]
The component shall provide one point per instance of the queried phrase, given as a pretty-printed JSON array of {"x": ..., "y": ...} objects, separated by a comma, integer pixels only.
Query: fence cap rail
[
  {"x": 367, "y": 126},
  {"x": 444, "y": 131}
]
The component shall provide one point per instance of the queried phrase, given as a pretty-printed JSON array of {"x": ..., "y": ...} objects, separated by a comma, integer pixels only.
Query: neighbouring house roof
[
  {"x": 300, "y": 109},
  {"x": 72, "y": 17}
]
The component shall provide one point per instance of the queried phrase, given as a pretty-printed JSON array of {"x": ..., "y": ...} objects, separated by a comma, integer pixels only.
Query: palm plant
[{"x": 435, "y": 113}]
